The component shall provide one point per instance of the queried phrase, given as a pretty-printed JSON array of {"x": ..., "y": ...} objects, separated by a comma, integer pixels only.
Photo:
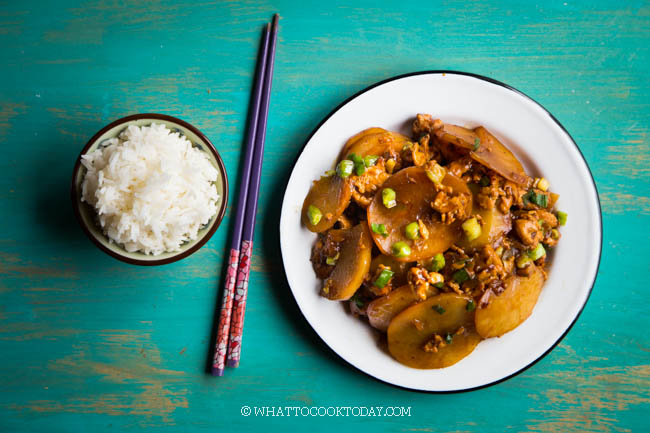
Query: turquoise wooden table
[{"x": 89, "y": 344}]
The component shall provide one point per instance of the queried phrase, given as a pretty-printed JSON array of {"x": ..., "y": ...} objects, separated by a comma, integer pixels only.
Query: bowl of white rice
[{"x": 149, "y": 189}]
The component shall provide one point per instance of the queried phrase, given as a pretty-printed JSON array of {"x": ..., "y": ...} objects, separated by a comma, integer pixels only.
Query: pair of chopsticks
[{"x": 231, "y": 319}]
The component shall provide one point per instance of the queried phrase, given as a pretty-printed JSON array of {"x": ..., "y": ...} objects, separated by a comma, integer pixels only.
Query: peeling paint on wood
[
  {"x": 9, "y": 110},
  {"x": 603, "y": 395},
  {"x": 616, "y": 201},
  {"x": 152, "y": 406}
]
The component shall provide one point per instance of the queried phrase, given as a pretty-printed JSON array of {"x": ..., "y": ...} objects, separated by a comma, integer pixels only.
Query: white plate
[{"x": 540, "y": 143}]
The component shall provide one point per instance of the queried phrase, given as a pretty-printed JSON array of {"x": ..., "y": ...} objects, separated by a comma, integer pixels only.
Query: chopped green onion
[
  {"x": 388, "y": 196},
  {"x": 537, "y": 252},
  {"x": 314, "y": 214},
  {"x": 477, "y": 144},
  {"x": 329, "y": 173},
  {"x": 561, "y": 217},
  {"x": 380, "y": 229},
  {"x": 359, "y": 164},
  {"x": 523, "y": 261},
  {"x": 485, "y": 181},
  {"x": 460, "y": 276},
  {"x": 542, "y": 200},
  {"x": 439, "y": 309},
  {"x": 344, "y": 169},
  {"x": 472, "y": 229},
  {"x": 438, "y": 262},
  {"x": 436, "y": 173},
  {"x": 439, "y": 285},
  {"x": 448, "y": 338},
  {"x": 537, "y": 198},
  {"x": 555, "y": 234},
  {"x": 471, "y": 305},
  {"x": 332, "y": 260},
  {"x": 370, "y": 160},
  {"x": 359, "y": 303},
  {"x": 383, "y": 278},
  {"x": 401, "y": 249},
  {"x": 412, "y": 230},
  {"x": 355, "y": 158}
]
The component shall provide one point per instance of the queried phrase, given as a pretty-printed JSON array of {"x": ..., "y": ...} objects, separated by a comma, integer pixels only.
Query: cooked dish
[
  {"x": 438, "y": 240},
  {"x": 151, "y": 188}
]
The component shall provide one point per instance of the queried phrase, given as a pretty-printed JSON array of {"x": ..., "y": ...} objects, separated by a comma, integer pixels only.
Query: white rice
[{"x": 151, "y": 189}]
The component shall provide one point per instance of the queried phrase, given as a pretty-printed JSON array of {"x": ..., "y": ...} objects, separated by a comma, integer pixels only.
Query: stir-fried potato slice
[
  {"x": 412, "y": 333},
  {"x": 484, "y": 148},
  {"x": 330, "y": 195},
  {"x": 358, "y": 136},
  {"x": 352, "y": 266},
  {"x": 514, "y": 305},
  {"x": 457, "y": 135},
  {"x": 376, "y": 143},
  {"x": 495, "y": 156},
  {"x": 414, "y": 194},
  {"x": 382, "y": 310},
  {"x": 400, "y": 268},
  {"x": 494, "y": 225}
]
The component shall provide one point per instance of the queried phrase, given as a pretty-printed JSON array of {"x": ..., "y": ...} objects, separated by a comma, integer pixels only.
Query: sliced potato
[
  {"x": 490, "y": 151},
  {"x": 352, "y": 266},
  {"x": 359, "y": 135},
  {"x": 382, "y": 310},
  {"x": 331, "y": 195},
  {"x": 494, "y": 224},
  {"x": 414, "y": 192},
  {"x": 495, "y": 156},
  {"x": 400, "y": 268},
  {"x": 410, "y": 330},
  {"x": 514, "y": 305},
  {"x": 457, "y": 135},
  {"x": 375, "y": 144}
]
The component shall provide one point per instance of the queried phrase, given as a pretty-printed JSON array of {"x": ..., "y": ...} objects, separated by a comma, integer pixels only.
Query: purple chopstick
[
  {"x": 231, "y": 278},
  {"x": 239, "y": 304}
]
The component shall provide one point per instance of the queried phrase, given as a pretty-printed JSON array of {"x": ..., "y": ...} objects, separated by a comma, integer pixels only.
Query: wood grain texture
[{"x": 90, "y": 344}]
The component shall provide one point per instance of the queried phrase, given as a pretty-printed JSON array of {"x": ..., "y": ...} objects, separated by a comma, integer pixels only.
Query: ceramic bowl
[
  {"x": 543, "y": 146},
  {"x": 87, "y": 215}
]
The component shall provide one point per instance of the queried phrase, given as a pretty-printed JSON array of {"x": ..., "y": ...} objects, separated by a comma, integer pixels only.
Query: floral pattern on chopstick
[
  {"x": 219, "y": 362},
  {"x": 241, "y": 288}
]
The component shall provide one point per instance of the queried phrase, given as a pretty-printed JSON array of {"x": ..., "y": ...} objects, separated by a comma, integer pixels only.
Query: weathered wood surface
[{"x": 91, "y": 344}]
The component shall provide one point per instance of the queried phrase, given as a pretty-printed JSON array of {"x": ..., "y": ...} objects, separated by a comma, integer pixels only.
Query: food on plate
[
  {"x": 327, "y": 199},
  {"x": 412, "y": 220},
  {"x": 505, "y": 312},
  {"x": 439, "y": 240},
  {"x": 374, "y": 141},
  {"x": 435, "y": 333},
  {"x": 350, "y": 261},
  {"x": 151, "y": 188}
]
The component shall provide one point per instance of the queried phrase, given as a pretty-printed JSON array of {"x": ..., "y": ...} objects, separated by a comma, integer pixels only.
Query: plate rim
[{"x": 512, "y": 89}]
